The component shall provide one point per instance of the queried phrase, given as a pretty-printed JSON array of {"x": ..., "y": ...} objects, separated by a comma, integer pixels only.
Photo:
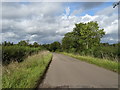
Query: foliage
[
  {"x": 84, "y": 37},
  {"x": 85, "y": 40},
  {"x": 27, "y": 73},
  {"x": 55, "y": 46},
  {"x": 16, "y": 53},
  {"x": 23, "y": 43},
  {"x": 35, "y": 44},
  {"x": 5, "y": 43},
  {"x": 109, "y": 51}
]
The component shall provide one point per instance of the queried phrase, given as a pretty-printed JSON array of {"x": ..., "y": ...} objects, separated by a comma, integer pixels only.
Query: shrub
[{"x": 16, "y": 53}]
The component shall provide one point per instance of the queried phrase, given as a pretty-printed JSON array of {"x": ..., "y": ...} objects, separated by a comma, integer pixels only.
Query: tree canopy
[
  {"x": 55, "y": 46},
  {"x": 83, "y": 37}
]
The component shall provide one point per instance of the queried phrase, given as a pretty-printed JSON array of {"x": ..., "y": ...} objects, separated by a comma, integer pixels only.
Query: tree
[
  {"x": 5, "y": 43},
  {"x": 46, "y": 46},
  {"x": 83, "y": 37},
  {"x": 68, "y": 41},
  {"x": 23, "y": 43},
  {"x": 35, "y": 44},
  {"x": 55, "y": 46}
]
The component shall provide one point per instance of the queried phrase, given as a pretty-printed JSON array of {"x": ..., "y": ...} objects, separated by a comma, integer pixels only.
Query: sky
[{"x": 46, "y": 22}]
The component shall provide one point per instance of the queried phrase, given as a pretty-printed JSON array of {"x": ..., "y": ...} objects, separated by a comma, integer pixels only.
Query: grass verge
[
  {"x": 27, "y": 73},
  {"x": 108, "y": 64}
]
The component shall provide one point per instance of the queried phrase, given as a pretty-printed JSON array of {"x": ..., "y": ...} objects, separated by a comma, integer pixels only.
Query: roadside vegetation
[
  {"x": 23, "y": 63},
  {"x": 105, "y": 63},
  {"x": 84, "y": 42},
  {"x": 27, "y": 73},
  {"x": 18, "y": 52}
]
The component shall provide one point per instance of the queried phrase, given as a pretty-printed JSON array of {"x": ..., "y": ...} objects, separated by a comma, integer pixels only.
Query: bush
[{"x": 16, "y": 53}]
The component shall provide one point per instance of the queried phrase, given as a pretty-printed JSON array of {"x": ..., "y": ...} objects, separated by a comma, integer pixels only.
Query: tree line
[
  {"x": 84, "y": 39},
  {"x": 18, "y": 52}
]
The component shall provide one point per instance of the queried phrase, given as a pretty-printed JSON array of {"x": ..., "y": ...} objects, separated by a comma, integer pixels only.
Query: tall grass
[
  {"x": 27, "y": 73},
  {"x": 108, "y": 64}
]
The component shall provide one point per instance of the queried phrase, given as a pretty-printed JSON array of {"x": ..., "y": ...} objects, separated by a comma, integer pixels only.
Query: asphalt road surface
[{"x": 67, "y": 72}]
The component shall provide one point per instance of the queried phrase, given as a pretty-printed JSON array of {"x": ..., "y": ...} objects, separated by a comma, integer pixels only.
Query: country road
[{"x": 65, "y": 71}]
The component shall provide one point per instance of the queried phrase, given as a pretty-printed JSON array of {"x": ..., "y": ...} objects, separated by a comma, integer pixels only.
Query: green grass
[
  {"x": 27, "y": 73},
  {"x": 108, "y": 64}
]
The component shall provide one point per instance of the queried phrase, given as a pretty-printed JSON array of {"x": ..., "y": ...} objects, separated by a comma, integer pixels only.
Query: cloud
[
  {"x": 90, "y": 5},
  {"x": 47, "y": 22},
  {"x": 107, "y": 19},
  {"x": 10, "y": 35},
  {"x": 110, "y": 38},
  {"x": 108, "y": 23},
  {"x": 17, "y": 10},
  {"x": 108, "y": 11}
]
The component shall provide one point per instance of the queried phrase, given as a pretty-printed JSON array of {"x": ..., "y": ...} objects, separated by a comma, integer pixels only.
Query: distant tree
[
  {"x": 46, "y": 46},
  {"x": 35, "y": 44},
  {"x": 5, "y": 43},
  {"x": 9, "y": 43},
  {"x": 55, "y": 46},
  {"x": 105, "y": 44},
  {"x": 23, "y": 43}
]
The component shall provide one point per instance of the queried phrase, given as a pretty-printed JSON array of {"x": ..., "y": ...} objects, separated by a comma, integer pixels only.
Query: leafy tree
[
  {"x": 84, "y": 37},
  {"x": 5, "y": 43},
  {"x": 55, "y": 46},
  {"x": 46, "y": 46},
  {"x": 68, "y": 41},
  {"x": 35, "y": 44},
  {"x": 23, "y": 43}
]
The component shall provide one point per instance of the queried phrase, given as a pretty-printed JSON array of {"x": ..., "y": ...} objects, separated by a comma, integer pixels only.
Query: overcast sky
[{"x": 48, "y": 22}]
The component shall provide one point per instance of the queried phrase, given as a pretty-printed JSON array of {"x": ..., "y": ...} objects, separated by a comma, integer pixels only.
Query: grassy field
[
  {"x": 27, "y": 73},
  {"x": 108, "y": 64}
]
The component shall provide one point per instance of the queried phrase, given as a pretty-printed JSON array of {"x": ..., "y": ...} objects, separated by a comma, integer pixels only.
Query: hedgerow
[{"x": 17, "y": 53}]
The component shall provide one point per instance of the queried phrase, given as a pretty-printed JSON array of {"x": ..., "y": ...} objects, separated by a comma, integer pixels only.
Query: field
[
  {"x": 27, "y": 73},
  {"x": 108, "y": 64}
]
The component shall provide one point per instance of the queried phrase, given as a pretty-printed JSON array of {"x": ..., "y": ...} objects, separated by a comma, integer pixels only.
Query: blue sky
[
  {"x": 48, "y": 22},
  {"x": 91, "y": 11}
]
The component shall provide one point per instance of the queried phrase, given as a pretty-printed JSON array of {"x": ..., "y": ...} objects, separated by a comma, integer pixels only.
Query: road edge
[{"x": 44, "y": 74}]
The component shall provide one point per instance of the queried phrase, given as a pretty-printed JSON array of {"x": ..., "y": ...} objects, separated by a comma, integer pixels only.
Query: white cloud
[
  {"x": 9, "y": 35},
  {"x": 46, "y": 22},
  {"x": 108, "y": 11},
  {"x": 88, "y": 18},
  {"x": 17, "y": 10},
  {"x": 113, "y": 28}
]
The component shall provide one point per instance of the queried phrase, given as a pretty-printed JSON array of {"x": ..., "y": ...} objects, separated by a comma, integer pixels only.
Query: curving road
[{"x": 67, "y": 72}]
